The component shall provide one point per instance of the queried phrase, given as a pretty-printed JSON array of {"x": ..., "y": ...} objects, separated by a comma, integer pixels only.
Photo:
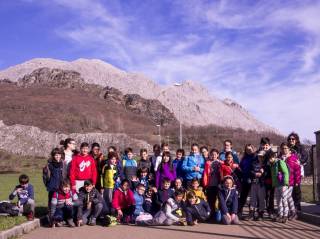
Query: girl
[
  {"x": 178, "y": 185},
  {"x": 98, "y": 157},
  {"x": 53, "y": 173},
  {"x": 205, "y": 152},
  {"x": 293, "y": 165},
  {"x": 69, "y": 146},
  {"x": 139, "y": 200},
  {"x": 228, "y": 167},
  {"x": 228, "y": 198},
  {"x": 123, "y": 202},
  {"x": 144, "y": 161},
  {"x": 166, "y": 169},
  {"x": 212, "y": 178},
  {"x": 82, "y": 168}
]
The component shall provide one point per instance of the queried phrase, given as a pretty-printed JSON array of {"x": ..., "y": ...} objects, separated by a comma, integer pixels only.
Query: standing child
[
  {"x": 280, "y": 181},
  {"x": 109, "y": 177},
  {"x": 129, "y": 164},
  {"x": 197, "y": 210},
  {"x": 82, "y": 168},
  {"x": 99, "y": 160},
  {"x": 53, "y": 173},
  {"x": 25, "y": 193},
  {"x": 228, "y": 198},
  {"x": 144, "y": 162},
  {"x": 144, "y": 177},
  {"x": 62, "y": 205},
  {"x": 69, "y": 146},
  {"x": 177, "y": 163},
  {"x": 90, "y": 204},
  {"x": 195, "y": 187},
  {"x": 165, "y": 170}
]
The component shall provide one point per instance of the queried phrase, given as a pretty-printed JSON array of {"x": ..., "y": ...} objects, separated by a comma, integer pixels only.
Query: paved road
[{"x": 250, "y": 230}]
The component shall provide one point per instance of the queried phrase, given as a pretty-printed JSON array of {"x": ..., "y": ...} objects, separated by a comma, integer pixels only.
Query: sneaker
[
  {"x": 277, "y": 219},
  {"x": 30, "y": 216},
  {"x": 251, "y": 215},
  {"x": 293, "y": 216},
  {"x": 59, "y": 224},
  {"x": 70, "y": 222},
  {"x": 260, "y": 216},
  {"x": 284, "y": 220},
  {"x": 93, "y": 221}
]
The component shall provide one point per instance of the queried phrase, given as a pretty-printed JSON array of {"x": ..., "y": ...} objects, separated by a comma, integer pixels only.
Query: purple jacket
[
  {"x": 294, "y": 170},
  {"x": 165, "y": 172}
]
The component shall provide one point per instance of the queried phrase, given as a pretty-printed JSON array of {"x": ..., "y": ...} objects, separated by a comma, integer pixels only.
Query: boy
[
  {"x": 228, "y": 148},
  {"x": 139, "y": 200},
  {"x": 129, "y": 165},
  {"x": 163, "y": 194},
  {"x": 62, "y": 205},
  {"x": 197, "y": 190},
  {"x": 178, "y": 162},
  {"x": 25, "y": 194},
  {"x": 196, "y": 210},
  {"x": 144, "y": 161},
  {"x": 90, "y": 204}
]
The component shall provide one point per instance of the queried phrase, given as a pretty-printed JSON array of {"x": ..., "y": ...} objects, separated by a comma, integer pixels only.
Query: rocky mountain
[{"x": 197, "y": 106}]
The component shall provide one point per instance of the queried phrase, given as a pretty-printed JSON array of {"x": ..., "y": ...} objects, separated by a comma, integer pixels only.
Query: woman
[{"x": 69, "y": 146}]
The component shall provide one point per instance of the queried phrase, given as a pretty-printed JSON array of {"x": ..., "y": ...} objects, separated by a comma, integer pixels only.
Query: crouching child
[
  {"x": 228, "y": 198},
  {"x": 197, "y": 210},
  {"x": 25, "y": 193},
  {"x": 90, "y": 204},
  {"x": 62, "y": 203}
]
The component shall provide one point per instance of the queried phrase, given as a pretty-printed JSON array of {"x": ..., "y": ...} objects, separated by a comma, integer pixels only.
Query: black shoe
[
  {"x": 284, "y": 219},
  {"x": 251, "y": 216}
]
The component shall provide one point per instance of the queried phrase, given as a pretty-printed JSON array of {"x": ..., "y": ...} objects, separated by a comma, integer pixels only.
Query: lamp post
[
  {"x": 159, "y": 126},
  {"x": 180, "y": 126}
]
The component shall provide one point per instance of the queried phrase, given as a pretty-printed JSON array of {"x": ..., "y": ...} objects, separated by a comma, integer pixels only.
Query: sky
[{"x": 263, "y": 54}]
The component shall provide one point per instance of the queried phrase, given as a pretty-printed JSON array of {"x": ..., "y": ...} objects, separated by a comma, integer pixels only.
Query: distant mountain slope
[{"x": 198, "y": 107}]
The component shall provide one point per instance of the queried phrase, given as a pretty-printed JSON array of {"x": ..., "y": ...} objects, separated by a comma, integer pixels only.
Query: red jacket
[
  {"x": 83, "y": 168},
  {"x": 122, "y": 200}
]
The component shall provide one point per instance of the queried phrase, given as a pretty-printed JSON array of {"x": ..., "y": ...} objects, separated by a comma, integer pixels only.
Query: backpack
[
  {"x": 46, "y": 174},
  {"x": 9, "y": 208}
]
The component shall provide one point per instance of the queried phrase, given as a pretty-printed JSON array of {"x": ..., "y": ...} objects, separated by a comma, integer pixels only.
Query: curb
[
  {"x": 309, "y": 218},
  {"x": 19, "y": 230}
]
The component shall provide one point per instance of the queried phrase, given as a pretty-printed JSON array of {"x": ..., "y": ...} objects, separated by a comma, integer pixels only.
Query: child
[
  {"x": 193, "y": 166},
  {"x": 178, "y": 185},
  {"x": 82, "y": 168},
  {"x": 129, "y": 164},
  {"x": 139, "y": 200},
  {"x": 149, "y": 201},
  {"x": 143, "y": 177},
  {"x": 177, "y": 163},
  {"x": 53, "y": 173},
  {"x": 69, "y": 146},
  {"x": 228, "y": 166},
  {"x": 98, "y": 157},
  {"x": 62, "y": 205},
  {"x": 294, "y": 168},
  {"x": 144, "y": 162},
  {"x": 280, "y": 181},
  {"x": 197, "y": 190},
  {"x": 196, "y": 210},
  {"x": 257, "y": 197},
  {"x": 90, "y": 204},
  {"x": 155, "y": 159},
  {"x": 109, "y": 177},
  {"x": 205, "y": 152},
  {"x": 211, "y": 177},
  {"x": 165, "y": 170},
  {"x": 228, "y": 198},
  {"x": 163, "y": 194},
  {"x": 25, "y": 194},
  {"x": 123, "y": 202}
]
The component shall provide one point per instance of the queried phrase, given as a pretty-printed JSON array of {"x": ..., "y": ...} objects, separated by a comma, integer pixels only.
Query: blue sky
[{"x": 263, "y": 54}]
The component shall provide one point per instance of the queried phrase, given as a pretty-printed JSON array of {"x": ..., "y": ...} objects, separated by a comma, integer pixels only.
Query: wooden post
[{"x": 316, "y": 167}]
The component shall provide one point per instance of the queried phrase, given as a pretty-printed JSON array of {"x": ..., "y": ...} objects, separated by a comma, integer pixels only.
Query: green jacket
[{"x": 276, "y": 167}]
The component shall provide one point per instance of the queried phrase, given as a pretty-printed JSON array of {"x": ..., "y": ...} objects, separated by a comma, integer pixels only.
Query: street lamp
[
  {"x": 159, "y": 125},
  {"x": 180, "y": 126}
]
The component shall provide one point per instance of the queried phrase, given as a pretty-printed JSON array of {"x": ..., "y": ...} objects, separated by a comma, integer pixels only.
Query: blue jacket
[
  {"x": 56, "y": 176},
  {"x": 130, "y": 167},
  {"x": 178, "y": 165},
  {"x": 189, "y": 163},
  {"x": 222, "y": 156},
  {"x": 26, "y": 193},
  {"x": 228, "y": 199},
  {"x": 139, "y": 204},
  {"x": 245, "y": 166}
]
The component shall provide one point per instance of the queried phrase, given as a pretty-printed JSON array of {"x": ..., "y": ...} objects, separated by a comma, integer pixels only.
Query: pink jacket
[{"x": 294, "y": 170}]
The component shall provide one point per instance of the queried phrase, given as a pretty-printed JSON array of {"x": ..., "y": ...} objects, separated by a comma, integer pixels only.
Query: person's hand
[
  {"x": 196, "y": 168},
  {"x": 233, "y": 216},
  {"x": 120, "y": 214},
  {"x": 18, "y": 190},
  {"x": 79, "y": 222},
  {"x": 195, "y": 222},
  {"x": 89, "y": 205},
  {"x": 155, "y": 189},
  {"x": 258, "y": 175}
]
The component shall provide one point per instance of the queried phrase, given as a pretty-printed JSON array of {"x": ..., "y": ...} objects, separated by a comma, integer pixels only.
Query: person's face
[
  {"x": 110, "y": 150},
  {"x": 265, "y": 147},
  {"x": 229, "y": 159},
  {"x": 166, "y": 159},
  {"x": 156, "y": 152},
  {"x": 228, "y": 183},
  {"x": 195, "y": 185},
  {"x": 195, "y": 149},
  {"x": 88, "y": 188},
  {"x": 66, "y": 189},
  {"x": 57, "y": 157},
  {"x": 113, "y": 161},
  {"x": 144, "y": 155},
  {"x": 85, "y": 150},
  {"x": 166, "y": 149},
  {"x": 292, "y": 140},
  {"x": 166, "y": 185},
  {"x": 272, "y": 160},
  {"x": 125, "y": 186},
  {"x": 179, "y": 155},
  {"x": 285, "y": 150},
  {"x": 192, "y": 200},
  {"x": 141, "y": 190},
  {"x": 205, "y": 153},
  {"x": 130, "y": 155},
  {"x": 227, "y": 146},
  {"x": 144, "y": 174},
  {"x": 249, "y": 149},
  {"x": 179, "y": 198},
  {"x": 96, "y": 150},
  {"x": 178, "y": 184},
  {"x": 214, "y": 155},
  {"x": 72, "y": 145}
]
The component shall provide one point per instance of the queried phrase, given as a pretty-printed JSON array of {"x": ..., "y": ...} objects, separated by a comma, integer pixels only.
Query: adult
[
  {"x": 227, "y": 147},
  {"x": 99, "y": 160},
  {"x": 205, "y": 152},
  {"x": 69, "y": 146}
]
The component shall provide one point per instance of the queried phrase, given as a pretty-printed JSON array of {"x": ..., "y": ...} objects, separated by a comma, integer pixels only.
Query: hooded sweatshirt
[
  {"x": 83, "y": 168},
  {"x": 294, "y": 170}
]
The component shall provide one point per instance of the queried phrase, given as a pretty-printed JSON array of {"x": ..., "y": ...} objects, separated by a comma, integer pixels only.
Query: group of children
[{"x": 203, "y": 186}]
